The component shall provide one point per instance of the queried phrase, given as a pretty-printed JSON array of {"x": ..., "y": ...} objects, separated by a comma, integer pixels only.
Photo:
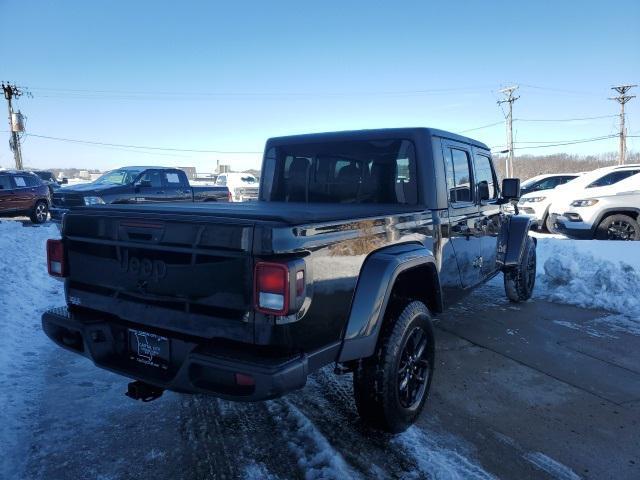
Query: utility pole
[
  {"x": 15, "y": 122},
  {"x": 510, "y": 98},
  {"x": 622, "y": 98}
]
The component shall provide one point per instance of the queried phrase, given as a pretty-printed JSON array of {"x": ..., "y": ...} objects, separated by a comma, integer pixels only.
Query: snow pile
[
  {"x": 26, "y": 291},
  {"x": 591, "y": 274}
]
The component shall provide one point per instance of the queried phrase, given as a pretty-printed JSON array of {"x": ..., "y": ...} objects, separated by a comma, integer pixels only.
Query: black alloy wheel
[{"x": 413, "y": 369}]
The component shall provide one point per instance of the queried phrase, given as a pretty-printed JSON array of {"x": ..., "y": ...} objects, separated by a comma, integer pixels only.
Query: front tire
[
  {"x": 391, "y": 387},
  {"x": 520, "y": 280},
  {"x": 40, "y": 212},
  {"x": 618, "y": 227}
]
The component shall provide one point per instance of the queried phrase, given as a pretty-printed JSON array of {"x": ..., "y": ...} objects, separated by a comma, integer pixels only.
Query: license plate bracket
[{"x": 149, "y": 349}]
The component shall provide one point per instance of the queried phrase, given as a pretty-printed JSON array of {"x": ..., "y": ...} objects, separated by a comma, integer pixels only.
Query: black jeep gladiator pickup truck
[
  {"x": 134, "y": 185},
  {"x": 357, "y": 240}
]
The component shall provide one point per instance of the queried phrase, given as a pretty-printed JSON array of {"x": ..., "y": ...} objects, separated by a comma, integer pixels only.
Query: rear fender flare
[
  {"x": 375, "y": 284},
  {"x": 512, "y": 240}
]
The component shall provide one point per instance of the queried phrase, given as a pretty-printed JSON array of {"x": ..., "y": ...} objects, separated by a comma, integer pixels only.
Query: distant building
[{"x": 189, "y": 171}]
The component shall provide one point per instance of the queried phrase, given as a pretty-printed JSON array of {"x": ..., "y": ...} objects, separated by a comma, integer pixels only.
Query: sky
[{"x": 225, "y": 76}]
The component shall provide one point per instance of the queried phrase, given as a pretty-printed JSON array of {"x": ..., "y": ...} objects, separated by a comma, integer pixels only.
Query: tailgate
[{"x": 179, "y": 273}]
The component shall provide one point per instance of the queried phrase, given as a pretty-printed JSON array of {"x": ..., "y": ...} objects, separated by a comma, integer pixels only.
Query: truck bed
[{"x": 283, "y": 212}]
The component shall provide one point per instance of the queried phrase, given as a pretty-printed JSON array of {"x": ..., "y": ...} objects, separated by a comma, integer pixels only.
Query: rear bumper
[{"x": 194, "y": 367}]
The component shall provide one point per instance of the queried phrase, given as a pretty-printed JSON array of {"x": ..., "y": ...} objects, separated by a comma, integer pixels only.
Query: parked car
[
  {"x": 49, "y": 179},
  {"x": 606, "y": 217},
  {"x": 535, "y": 195},
  {"x": 135, "y": 185},
  {"x": 243, "y": 186},
  {"x": 602, "y": 181},
  {"x": 344, "y": 266},
  {"x": 23, "y": 194}
]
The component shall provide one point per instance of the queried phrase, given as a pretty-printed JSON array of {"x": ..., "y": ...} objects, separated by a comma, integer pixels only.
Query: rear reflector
[
  {"x": 56, "y": 258},
  {"x": 271, "y": 288}
]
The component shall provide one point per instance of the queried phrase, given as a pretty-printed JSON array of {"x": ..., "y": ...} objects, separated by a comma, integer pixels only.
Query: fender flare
[
  {"x": 375, "y": 283},
  {"x": 512, "y": 240}
]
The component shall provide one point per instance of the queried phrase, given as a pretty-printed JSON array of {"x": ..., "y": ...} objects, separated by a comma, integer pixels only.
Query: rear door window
[
  {"x": 20, "y": 181},
  {"x": 458, "y": 171},
  {"x": 612, "y": 178},
  {"x": 173, "y": 179}
]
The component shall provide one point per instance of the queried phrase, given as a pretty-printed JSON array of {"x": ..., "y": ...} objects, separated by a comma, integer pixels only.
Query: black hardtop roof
[{"x": 373, "y": 134}]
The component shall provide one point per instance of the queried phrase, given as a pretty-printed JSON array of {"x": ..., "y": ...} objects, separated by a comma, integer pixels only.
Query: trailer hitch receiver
[{"x": 143, "y": 391}]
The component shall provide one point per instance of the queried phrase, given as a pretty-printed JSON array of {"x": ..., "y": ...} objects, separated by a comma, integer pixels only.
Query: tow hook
[{"x": 143, "y": 391}]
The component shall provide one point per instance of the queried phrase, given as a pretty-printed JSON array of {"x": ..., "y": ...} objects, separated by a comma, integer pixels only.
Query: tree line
[{"x": 527, "y": 166}]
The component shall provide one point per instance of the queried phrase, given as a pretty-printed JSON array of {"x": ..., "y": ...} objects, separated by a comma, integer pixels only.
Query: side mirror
[
  {"x": 65, "y": 180},
  {"x": 483, "y": 190},
  {"x": 510, "y": 189}
]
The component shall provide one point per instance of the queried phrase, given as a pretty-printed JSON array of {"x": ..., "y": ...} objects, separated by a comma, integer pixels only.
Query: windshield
[
  {"x": 118, "y": 177},
  {"x": 357, "y": 171}
]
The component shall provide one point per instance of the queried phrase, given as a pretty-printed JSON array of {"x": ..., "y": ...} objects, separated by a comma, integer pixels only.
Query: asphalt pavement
[{"x": 536, "y": 390}]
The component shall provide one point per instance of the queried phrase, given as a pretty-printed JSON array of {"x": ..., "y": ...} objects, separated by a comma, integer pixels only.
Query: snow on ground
[
  {"x": 592, "y": 274},
  {"x": 25, "y": 291}
]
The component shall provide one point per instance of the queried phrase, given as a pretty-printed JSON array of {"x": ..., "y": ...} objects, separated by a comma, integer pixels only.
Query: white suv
[
  {"x": 536, "y": 194},
  {"x": 602, "y": 181},
  {"x": 607, "y": 217}
]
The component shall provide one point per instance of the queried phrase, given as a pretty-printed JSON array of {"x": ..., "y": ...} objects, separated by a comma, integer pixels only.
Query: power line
[
  {"x": 86, "y": 93},
  {"x": 140, "y": 147},
  {"x": 587, "y": 140},
  {"x": 480, "y": 128},
  {"x": 561, "y": 119},
  {"x": 564, "y": 141}
]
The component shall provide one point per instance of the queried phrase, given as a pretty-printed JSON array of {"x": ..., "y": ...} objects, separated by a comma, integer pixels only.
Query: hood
[{"x": 88, "y": 188}]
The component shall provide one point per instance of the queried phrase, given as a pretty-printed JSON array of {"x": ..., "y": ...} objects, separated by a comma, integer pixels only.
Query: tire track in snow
[
  {"x": 436, "y": 461},
  {"x": 316, "y": 457},
  {"x": 556, "y": 469}
]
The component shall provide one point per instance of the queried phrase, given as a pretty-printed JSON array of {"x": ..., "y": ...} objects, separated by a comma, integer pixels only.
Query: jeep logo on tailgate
[{"x": 144, "y": 268}]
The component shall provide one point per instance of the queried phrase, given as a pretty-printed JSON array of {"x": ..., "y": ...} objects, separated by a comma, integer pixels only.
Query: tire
[
  {"x": 520, "y": 280},
  {"x": 548, "y": 224},
  {"x": 618, "y": 227},
  {"x": 40, "y": 212},
  {"x": 392, "y": 386}
]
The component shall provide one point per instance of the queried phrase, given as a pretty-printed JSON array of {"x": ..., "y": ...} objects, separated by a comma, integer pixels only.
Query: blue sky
[{"x": 228, "y": 75}]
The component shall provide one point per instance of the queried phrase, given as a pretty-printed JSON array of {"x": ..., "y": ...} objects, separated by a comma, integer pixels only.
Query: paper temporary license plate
[{"x": 149, "y": 348}]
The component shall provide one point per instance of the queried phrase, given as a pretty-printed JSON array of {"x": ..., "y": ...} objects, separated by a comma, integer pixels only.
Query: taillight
[
  {"x": 56, "y": 264},
  {"x": 272, "y": 288}
]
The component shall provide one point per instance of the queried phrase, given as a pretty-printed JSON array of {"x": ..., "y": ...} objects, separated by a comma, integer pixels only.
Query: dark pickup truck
[
  {"x": 357, "y": 240},
  {"x": 134, "y": 185}
]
